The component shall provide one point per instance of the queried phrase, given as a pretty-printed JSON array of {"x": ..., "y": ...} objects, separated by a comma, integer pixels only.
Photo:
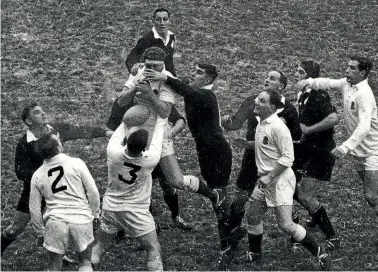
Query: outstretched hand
[{"x": 150, "y": 74}]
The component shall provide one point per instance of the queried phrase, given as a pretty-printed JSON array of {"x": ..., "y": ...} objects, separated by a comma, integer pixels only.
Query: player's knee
[
  {"x": 288, "y": 227},
  {"x": 14, "y": 230}
]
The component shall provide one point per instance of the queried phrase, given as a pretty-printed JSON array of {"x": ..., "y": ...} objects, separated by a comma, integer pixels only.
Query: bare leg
[{"x": 150, "y": 242}]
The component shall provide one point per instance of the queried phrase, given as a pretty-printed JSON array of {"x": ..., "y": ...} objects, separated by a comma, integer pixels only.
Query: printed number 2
[
  {"x": 135, "y": 168},
  {"x": 57, "y": 179}
]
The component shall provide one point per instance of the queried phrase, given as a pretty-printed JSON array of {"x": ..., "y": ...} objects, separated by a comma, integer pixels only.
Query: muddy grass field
[{"x": 68, "y": 55}]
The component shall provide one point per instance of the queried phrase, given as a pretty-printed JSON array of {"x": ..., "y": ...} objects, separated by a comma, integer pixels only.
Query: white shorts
[
  {"x": 369, "y": 163},
  {"x": 58, "y": 235},
  {"x": 279, "y": 192},
  {"x": 135, "y": 223}
]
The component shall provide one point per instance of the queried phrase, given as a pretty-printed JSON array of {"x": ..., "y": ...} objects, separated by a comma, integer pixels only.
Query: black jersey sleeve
[{"x": 71, "y": 132}]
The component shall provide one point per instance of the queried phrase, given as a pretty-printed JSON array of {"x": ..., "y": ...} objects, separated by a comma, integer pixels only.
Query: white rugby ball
[{"x": 136, "y": 116}]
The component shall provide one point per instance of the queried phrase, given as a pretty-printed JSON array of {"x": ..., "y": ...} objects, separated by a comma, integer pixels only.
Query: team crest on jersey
[
  {"x": 352, "y": 106},
  {"x": 265, "y": 140}
]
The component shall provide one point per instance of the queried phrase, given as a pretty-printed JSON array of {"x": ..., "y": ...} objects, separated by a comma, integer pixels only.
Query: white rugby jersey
[
  {"x": 165, "y": 94},
  {"x": 69, "y": 189},
  {"x": 360, "y": 111},
  {"x": 129, "y": 178},
  {"x": 273, "y": 144}
]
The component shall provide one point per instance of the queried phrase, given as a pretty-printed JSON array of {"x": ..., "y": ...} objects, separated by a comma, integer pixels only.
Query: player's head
[
  {"x": 358, "y": 69},
  {"x": 33, "y": 115},
  {"x": 203, "y": 75},
  {"x": 162, "y": 20},
  {"x": 137, "y": 142},
  {"x": 276, "y": 81},
  {"x": 153, "y": 58},
  {"x": 267, "y": 103},
  {"x": 49, "y": 145},
  {"x": 306, "y": 69}
]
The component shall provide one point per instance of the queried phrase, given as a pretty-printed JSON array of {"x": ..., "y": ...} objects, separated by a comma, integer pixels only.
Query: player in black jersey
[{"x": 203, "y": 117}]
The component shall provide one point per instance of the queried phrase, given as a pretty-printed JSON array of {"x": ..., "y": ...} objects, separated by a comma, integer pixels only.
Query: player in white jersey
[
  {"x": 158, "y": 97},
  {"x": 274, "y": 154},
  {"x": 72, "y": 203},
  {"x": 128, "y": 195},
  {"x": 361, "y": 121}
]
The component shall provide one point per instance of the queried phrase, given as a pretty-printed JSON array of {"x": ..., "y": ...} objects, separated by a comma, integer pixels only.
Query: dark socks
[
  {"x": 236, "y": 216},
  {"x": 224, "y": 233},
  {"x": 172, "y": 203},
  {"x": 320, "y": 217},
  {"x": 5, "y": 241},
  {"x": 204, "y": 190},
  {"x": 310, "y": 244},
  {"x": 254, "y": 242}
]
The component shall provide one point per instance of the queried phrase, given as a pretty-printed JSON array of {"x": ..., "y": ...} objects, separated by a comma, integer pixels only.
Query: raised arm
[
  {"x": 71, "y": 132},
  {"x": 157, "y": 139},
  {"x": 327, "y": 123},
  {"x": 238, "y": 119}
]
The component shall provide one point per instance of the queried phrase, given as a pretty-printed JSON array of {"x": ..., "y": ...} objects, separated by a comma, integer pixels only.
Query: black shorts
[
  {"x": 216, "y": 165},
  {"x": 314, "y": 160},
  {"x": 247, "y": 177}
]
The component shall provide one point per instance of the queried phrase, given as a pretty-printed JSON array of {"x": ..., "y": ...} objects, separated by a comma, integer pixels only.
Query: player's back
[
  {"x": 59, "y": 180},
  {"x": 130, "y": 181}
]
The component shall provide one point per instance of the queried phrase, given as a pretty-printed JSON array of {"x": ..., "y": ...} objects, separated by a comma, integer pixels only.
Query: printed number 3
[
  {"x": 57, "y": 179},
  {"x": 135, "y": 168}
]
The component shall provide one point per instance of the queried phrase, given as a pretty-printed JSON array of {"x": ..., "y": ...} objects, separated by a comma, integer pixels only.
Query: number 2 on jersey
[
  {"x": 54, "y": 187},
  {"x": 132, "y": 172}
]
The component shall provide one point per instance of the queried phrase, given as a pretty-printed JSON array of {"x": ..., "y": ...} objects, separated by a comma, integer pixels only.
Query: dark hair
[
  {"x": 275, "y": 99},
  {"x": 47, "y": 146},
  {"x": 159, "y": 10},
  {"x": 210, "y": 69},
  {"x": 311, "y": 67},
  {"x": 153, "y": 53},
  {"x": 364, "y": 64},
  {"x": 283, "y": 79},
  {"x": 137, "y": 141},
  {"x": 26, "y": 111}
]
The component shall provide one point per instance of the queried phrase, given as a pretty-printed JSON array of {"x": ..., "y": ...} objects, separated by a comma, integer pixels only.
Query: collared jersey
[
  {"x": 203, "y": 116},
  {"x": 129, "y": 178},
  {"x": 69, "y": 190},
  {"x": 360, "y": 111},
  {"x": 273, "y": 144},
  {"x": 152, "y": 39}
]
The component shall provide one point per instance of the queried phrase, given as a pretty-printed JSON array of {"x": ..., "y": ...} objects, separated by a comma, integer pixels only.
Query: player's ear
[{"x": 28, "y": 122}]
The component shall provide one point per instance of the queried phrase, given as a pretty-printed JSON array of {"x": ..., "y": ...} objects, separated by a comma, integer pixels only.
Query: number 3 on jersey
[
  {"x": 54, "y": 185},
  {"x": 132, "y": 172}
]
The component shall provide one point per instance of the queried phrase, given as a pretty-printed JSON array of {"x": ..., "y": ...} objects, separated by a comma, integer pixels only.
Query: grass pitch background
[{"x": 69, "y": 56}]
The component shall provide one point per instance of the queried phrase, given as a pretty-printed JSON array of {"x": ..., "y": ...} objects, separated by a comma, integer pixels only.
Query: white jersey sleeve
[
  {"x": 90, "y": 187},
  {"x": 35, "y": 207}
]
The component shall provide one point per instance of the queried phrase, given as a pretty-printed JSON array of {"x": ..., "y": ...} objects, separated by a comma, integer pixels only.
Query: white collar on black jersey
[
  {"x": 208, "y": 87},
  {"x": 157, "y": 36},
  {"x": 31, "y": 137}
]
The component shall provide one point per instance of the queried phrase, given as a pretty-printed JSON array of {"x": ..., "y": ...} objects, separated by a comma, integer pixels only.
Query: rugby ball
[{"x": 136, "y": 116}]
